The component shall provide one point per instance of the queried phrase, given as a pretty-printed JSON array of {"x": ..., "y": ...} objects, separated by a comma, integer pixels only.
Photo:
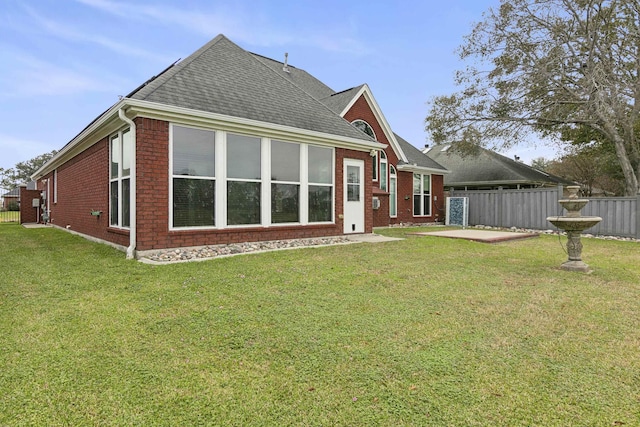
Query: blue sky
[{"x": 63, "y": 62}]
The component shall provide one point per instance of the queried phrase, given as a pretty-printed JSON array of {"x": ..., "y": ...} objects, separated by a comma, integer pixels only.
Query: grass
[{"x": 424, "y": 331}]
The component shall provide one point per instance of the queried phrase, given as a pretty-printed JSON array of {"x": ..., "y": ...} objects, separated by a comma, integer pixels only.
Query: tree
[
  {"x": 22, "y": 171},
  {"x": 540, "y": 163},
  {"x": 549, "y": 66}
]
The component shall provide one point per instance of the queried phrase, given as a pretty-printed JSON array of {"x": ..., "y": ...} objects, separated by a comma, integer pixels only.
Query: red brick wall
[
  {"x": 28, "y": 214},
  {"x": 153, "y": 200},
  {"x": 83, "y": 187},
  {"x": 381, "y": 215},
  {"x": 361, "y": 110}
]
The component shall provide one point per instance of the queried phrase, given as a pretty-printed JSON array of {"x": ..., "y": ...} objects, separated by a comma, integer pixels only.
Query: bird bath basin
[{"x": 574, "y": 224}]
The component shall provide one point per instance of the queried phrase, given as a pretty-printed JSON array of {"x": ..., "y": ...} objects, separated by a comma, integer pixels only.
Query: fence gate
[{"x": 10, "y": 205}]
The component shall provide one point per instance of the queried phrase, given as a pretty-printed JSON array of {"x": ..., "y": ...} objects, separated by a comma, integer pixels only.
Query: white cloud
[
  {"x": 68, "y": 33},
  {"x": 237, "y": 25},
  {"x": 29, "y": 76}
]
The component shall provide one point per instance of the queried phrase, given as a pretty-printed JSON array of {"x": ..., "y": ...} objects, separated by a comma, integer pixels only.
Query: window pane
[
  {"x": 193, "y": 152},
  {"x": 113, "y": 216},
  {"x": 320, "y": 198},
  {"x": 426, "y": 208},
  {"x": 383, "y": 176},
  {"x": 425, "y": 184},
  {"x": 284, "y": 203},
  {"x": 193, "y": 202},
  {"x": 353, "y": 192},
  {"x": 392, "y": 196},
  {"x": 320, "y": 165},
  {"x": 126, "y": 213},
  {"x": 115, "y": 156},
  {"x": 243, "y": 203},
  {"x": 285, "y": 161},
  {"x": 353, "y": 174},
  {"x": 243, "y": 157},
  {"x": 417, "y": 205},
  {"x": 416, "y": 183},
  {"x": 127, "y": 143}
]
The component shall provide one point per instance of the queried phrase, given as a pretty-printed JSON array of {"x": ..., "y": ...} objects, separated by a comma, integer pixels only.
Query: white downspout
[{"x": 131, "y": 250}]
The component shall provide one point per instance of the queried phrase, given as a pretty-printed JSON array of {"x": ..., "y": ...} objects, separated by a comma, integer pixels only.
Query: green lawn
[{"x": 426, "y": 331}]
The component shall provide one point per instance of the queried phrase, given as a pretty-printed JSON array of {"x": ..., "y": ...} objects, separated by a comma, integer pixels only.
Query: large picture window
[
  {"x": 193, "y": 177},
  {"x": 285, "y": 182},
  {"x": 221, "y": 179},
  {"x": 320, "y": 179},
  {"x": 120, "y": 179},
  {"x": 243, "y": 180},
  {"x": 421, "y": 194}
]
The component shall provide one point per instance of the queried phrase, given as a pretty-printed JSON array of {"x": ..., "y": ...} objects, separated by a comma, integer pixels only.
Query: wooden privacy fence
[{"x": 529, "y": 208}]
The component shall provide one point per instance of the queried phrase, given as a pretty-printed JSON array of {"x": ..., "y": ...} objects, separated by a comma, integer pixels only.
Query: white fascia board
[
  {"x": 183, "y": 115},
  {"x": 422, "y": 169},
  {"x": 386, "y": 128},
  {"x": 109, "y": 122}
]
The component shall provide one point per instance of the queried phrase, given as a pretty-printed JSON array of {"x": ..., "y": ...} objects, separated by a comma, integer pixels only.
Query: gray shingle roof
[
  {"x": 338, "y": 101},
  {"x": 223, "y": 78},
  {"x": 415, "y": 156},
  {"x": 487, "y": 167}
]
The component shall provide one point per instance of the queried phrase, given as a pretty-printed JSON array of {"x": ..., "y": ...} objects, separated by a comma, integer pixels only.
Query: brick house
[{"x": 229, "y": 146}]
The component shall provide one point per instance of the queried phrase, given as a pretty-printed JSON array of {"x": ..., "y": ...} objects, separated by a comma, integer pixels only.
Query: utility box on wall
[{"x": 457, "y": 211}]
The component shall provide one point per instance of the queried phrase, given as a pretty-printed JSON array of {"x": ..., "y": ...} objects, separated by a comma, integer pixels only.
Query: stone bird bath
[{"x": 574, "y": 224}]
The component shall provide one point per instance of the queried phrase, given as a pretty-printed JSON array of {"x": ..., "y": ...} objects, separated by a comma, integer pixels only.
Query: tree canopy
[
  {"x": 556, "y": 67},
  {"x": 22, "y": 171}
]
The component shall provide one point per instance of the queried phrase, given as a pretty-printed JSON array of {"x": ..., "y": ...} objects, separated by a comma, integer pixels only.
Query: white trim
[
  {"x": 109, "y": 122},
  {"x": 55, "y": 186},
  {"x": 377, "y": 112},
  {"x": 238, "y": 124},
  {"x": 422, "y": 169}
]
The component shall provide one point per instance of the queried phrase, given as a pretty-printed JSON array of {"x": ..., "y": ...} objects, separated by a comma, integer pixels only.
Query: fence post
[
  {"x": 638, "y": 215},
  {"x": 500, "y": 207}
]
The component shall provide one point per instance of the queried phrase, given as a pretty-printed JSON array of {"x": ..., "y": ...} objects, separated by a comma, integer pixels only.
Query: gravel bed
[
  {"x": 549, "y": 231},
  {"x": 207, "y": 252}
]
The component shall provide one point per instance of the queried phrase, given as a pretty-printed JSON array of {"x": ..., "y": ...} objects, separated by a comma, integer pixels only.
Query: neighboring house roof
[
  {"x": 31, "y": 185},
  {"x": 417, "y": 157},
  {"x": 13, "y": 193},
  {"x": 487, "y": 168}
]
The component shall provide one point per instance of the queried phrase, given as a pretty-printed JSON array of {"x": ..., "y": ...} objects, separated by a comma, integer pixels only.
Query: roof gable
[{"x": 365, "y": 92}]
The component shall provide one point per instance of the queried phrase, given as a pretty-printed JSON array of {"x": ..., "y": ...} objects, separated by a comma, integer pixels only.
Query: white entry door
[{"x": 353, "y": 196}]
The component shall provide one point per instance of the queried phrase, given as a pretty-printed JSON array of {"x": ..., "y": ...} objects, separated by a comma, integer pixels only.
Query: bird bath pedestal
[{"x": 574, "y": 224}]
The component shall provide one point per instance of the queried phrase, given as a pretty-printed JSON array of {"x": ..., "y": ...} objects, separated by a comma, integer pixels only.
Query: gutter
[{"x": 131, "y": 250}]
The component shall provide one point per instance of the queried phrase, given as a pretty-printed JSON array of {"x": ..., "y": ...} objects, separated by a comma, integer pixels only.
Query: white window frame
[
  {"x": 219, "y": 184},
  {"x": 384, "y": 175},
  {"x": 331, "y": 185},
  {"x": 422, "y": 195},
  {"x": 226, "y": 180},
  {"x": 393, "y": 195},
  {"x": 119, "y": 179},
  {"x": 266, "y": 181}
]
